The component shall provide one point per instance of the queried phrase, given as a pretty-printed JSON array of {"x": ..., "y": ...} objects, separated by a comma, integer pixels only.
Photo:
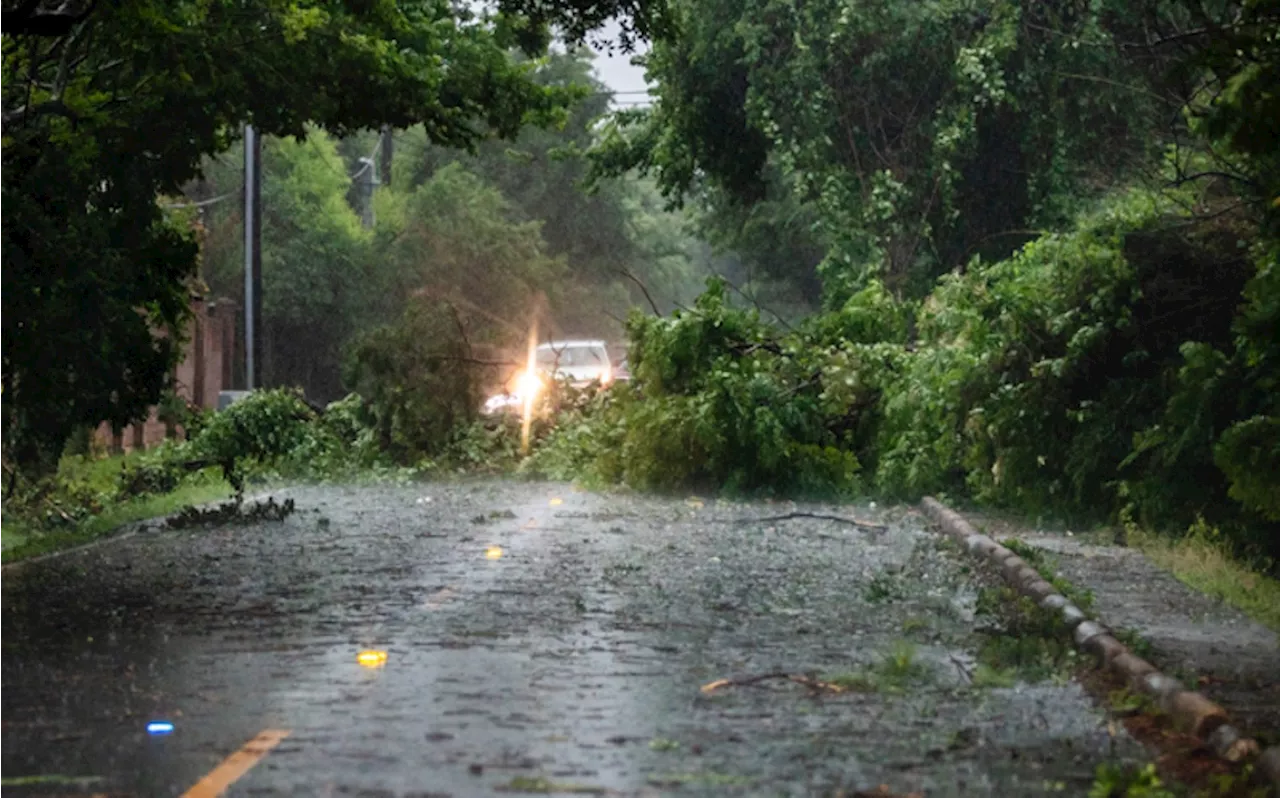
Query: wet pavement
[{"x": 537, "y": 639}]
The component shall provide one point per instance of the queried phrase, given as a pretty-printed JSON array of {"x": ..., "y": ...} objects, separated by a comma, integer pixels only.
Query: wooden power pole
[{"x": 388, "y": 146}]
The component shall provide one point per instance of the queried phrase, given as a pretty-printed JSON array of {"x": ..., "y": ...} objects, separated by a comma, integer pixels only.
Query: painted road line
[{"x": 236, "y": 765}]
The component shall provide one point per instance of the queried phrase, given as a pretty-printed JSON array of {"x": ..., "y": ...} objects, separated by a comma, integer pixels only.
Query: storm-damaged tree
[
  {"x": 1128, "y": 358},
  {"x": 109, "y": 106}
]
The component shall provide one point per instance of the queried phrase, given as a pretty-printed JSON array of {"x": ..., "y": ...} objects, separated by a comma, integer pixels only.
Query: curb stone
[{"x": 1190, "y": 710}]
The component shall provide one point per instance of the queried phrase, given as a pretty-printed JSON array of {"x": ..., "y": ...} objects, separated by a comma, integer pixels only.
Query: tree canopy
[
  {"x": 925, "y": 134},
  {"x": 108, "y": 107}
]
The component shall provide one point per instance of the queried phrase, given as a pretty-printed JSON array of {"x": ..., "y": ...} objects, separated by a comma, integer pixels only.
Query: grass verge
[
  {"x": 1202, "y": 563},
  {"x": 895, "y": 672},
  {"x": 22, "y": 538}
]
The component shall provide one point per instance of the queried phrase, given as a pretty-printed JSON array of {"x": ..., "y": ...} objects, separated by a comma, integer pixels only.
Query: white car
[{"x": 581, "y": 362}]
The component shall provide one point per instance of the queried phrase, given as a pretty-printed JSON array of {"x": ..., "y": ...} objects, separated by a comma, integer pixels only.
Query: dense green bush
[
  {"x": 1005, "y": 393},
  {"x": 722, "y": 400},
  {"x": 270, "y": 433},
  {"x": 1249, "y": 451},
  {"x": 416, "y": 380},
  {"x": 1096, "y": 369}
]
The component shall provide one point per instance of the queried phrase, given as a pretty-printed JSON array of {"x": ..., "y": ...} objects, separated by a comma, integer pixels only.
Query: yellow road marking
[{"x": 236, "y": 765}]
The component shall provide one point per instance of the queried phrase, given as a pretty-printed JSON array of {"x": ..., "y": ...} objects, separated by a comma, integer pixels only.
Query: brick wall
[{"x": 204, "y": 371}]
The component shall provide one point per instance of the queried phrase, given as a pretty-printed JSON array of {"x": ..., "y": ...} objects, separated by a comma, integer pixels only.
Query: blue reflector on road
[{"x": 159, "y": 727}]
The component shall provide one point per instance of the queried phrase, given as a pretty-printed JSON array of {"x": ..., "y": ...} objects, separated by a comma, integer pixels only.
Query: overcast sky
[{"x": 619, "y": 74}]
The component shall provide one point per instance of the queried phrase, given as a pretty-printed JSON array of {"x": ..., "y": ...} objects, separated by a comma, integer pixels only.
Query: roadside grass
[
  {"x": 22, "y": 538},
  {"x": 1046, "y": 566},
  {"x": 896, "y": 671},
  {"x": 883, "y": 588},
  {"x": 1205, "y": 564},
  {"x": 542, "y": 786},
  {"x": 1199, "y": 559},
  {"x": 1022, "y": 642}
]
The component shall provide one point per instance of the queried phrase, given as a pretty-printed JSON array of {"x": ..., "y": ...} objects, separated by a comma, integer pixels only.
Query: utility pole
[
  {"x": 252, "y": 257},
  {"x": 367, "y": 180},
  {"x": 388, "y": 146}
]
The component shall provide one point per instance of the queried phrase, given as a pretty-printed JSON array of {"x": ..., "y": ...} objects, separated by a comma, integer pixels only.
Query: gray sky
[{"x": 619, "y": 74}]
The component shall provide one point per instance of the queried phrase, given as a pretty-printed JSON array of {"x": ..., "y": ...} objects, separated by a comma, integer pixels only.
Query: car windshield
[{"x": 571, "y": 356}]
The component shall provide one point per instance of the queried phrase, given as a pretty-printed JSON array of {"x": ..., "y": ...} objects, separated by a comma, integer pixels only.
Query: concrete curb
[{"x": 1190, "y": 710}]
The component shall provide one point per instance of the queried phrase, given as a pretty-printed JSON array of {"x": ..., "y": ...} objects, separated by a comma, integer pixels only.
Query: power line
[{"x": 201, "y": 203}]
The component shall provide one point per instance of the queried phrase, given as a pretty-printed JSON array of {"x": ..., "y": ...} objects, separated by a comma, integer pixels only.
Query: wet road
[{"x": 538, "y": 639}]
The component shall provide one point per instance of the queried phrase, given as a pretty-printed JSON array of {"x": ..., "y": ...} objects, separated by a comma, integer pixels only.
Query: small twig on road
[
  {"x": 798, "y": 678},
  {"x": 963, "y": 670},
  {"x": 819, "y": 516},
  {"x": 882, "y": 791}
]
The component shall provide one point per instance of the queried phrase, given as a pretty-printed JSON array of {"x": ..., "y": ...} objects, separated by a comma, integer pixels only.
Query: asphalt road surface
[{"x": 537, "y": 639}]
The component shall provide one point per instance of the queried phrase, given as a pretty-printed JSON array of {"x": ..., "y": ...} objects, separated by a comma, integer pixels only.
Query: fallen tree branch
[
  {"x": 61, "y": 512},
  {"x": 818, "y": 516},
  {"x": 745, "y": 681}
]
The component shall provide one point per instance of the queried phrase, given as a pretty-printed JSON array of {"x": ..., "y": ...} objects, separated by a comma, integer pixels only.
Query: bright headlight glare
[{"x": 528, "y": 385}]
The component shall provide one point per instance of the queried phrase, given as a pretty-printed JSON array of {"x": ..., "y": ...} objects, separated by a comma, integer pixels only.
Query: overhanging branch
[
  {"x": 51, "y": 107},
  {"x": 28, "y": 20}
]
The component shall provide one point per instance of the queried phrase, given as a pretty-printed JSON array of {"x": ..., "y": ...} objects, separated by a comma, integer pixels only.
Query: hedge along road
[{"x": 536, "y": 639}]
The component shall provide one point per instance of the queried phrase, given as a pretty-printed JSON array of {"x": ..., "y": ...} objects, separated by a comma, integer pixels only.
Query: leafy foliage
[
  {"x": 920, "y": 134},
  {"x": 1060, "y": 379},
  {"x": 721, "y": 400},
  {"x": 258, "y": 430},
  {"x": 414, "y": 383},
  {"x": 1117, "y": 781},
  {"x": 108, "y": 110}
]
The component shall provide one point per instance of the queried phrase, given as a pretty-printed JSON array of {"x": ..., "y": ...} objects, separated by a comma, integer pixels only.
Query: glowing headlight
[{"x": 528, "y": 385}]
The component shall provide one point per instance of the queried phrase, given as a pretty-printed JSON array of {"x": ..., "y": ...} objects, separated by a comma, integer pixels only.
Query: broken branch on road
[
  {"x": 798, "y": 678},
  {"x": 816, "y": 516}
]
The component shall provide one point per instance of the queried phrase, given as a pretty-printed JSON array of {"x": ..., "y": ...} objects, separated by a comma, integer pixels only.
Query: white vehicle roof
[{"x": 556, "y": 345}]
